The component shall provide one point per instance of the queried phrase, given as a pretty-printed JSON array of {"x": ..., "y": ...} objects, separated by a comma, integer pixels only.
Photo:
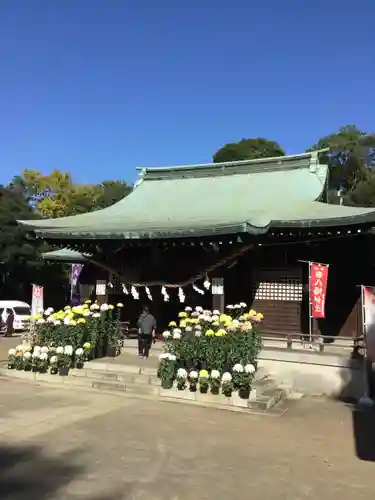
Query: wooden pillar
[{"x": 218, "y": 298}]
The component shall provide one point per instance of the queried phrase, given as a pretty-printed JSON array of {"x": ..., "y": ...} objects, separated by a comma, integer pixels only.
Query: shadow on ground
[{"x": 27, "y": 473}]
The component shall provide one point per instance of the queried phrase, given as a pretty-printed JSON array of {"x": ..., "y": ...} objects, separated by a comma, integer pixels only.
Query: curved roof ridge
[{"x": 256, "y": 161}]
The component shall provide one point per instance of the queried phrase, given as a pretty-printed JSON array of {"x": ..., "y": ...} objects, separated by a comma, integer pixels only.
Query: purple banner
[{"x": 74, "y": 276}]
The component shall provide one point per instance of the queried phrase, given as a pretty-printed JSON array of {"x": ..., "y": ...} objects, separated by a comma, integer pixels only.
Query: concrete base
[{"x": 315, "y": 373}]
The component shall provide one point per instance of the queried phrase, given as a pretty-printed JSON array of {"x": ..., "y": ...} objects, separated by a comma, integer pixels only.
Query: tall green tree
[
  {"x": 248, "y": 149},
  {"x": 351, "y": 159}
]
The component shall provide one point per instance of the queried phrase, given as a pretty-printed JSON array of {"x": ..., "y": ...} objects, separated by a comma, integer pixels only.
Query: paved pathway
[{"x": 61, "y": 444}]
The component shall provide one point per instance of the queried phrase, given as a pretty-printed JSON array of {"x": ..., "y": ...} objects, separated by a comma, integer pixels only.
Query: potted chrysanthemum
[
  {"x": 79, "y": 357},
  {"x": 54, "y": 368},
  {"x": 242, "y": 379},
  {"x": 12, "y": 359},
  {"x": 215, "y": 381},
  {"x": 88, "y": 351},
  {"x": 181, "y": 379},
  {"x": 203, "y": 381},
  {"x": 43, "y": 362},
  {"x": 227, "y": 384},
  {"x": 167, "y": 369},
  {"x": 27, "y": 361},
  {"x": 193, "y": 379},
  {"x": 65, "y": 359}
]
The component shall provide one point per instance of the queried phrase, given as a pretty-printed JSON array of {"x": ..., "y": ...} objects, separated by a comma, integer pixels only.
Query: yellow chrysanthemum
[
  {"x": 111, "y": 307},
  {"x": 87, "y": 301},
  {"x": 246, "y": 315},
  {"x": 183, "y": 323},
  {"x": 172, "y": 323},
  {"x": 252, "y": 312},
  {"x": 81, "y": 321},
  {"x": 260, "y": 316},
  {"x": 220, "y": 333},
  {"x": 37, "y": 316},
  {"x": 215, "y": 323},
  {"x": 209, "y": 333},
  {"x": 72, "y": 323},
  {"x": 203, "y": 374},
  {"x": 182, "y": 314}
]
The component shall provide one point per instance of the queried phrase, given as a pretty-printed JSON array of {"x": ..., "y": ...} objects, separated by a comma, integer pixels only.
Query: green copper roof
[
  {"x": 200, "y": 200},
  {"x": 64, "y": 255}
]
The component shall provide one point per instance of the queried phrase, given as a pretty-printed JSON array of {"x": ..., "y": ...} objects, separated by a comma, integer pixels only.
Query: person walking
[
  {"x": 9, "y": 322},
  {"x": 146, "y": 332}
]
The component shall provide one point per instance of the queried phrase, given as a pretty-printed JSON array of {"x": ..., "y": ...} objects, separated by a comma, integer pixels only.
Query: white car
[{"x": 21, "y": 311}]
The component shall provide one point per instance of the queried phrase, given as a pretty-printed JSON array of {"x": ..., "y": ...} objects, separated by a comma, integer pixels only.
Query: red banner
[{"x": 318, "y": 288}]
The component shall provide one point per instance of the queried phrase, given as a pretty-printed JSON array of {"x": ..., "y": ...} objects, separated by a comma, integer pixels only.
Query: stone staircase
[{"x": 129, "y": 376}]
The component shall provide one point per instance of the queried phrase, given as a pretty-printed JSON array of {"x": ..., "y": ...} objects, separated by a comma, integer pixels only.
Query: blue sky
[{"x": 98, "y": 87}]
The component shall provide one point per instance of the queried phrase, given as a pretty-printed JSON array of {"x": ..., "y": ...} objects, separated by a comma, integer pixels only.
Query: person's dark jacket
[{"x": 146, "y": 323}]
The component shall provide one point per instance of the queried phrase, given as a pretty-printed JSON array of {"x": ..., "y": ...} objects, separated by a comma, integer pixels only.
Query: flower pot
[
  {"x": 79, "y": 365},
  {"x": 215, "y": 390},
  {"x": 203, "y": 389},
  {"x": 53, "y": 370},
  {"x": 64, "y": 371},
  {"x": 244, "y": 393},
  {"x": 99, "y": 352},
  {"x": 167, "y": 384},
  {"x": 193, "y": 387},
  {"x": 111, "y": 351},
  {"x": 10, "y": 366},
  {"x": 27, "y": 368},
  {"x": 34, "y": 369}
]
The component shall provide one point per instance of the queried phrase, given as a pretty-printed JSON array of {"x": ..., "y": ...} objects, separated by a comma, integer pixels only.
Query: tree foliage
[
  {"x": 248, "y": 149},
  {"x": 351, "y": 159}
]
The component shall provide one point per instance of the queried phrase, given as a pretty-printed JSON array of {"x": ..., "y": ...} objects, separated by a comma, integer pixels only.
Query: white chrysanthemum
[
  {"x": 193, "y": 375},
  {"x": 249, "y": 368},
  {"x": 12, "y": 352},
  {"x": 181, "y": 373},
  {"x": 104, "y": 307},
  {"x": 27, "y": 355},
  {"x": 241, "y": 318},
  {"x": 177, "y": 330},
  {"x": 177, "y": 335},
  {"x": 47, "y": 312},
  {"x": 53, "y": 360},
  {"x": 237, "y": 306},
  {"x": 37, "y": 348},
  {"x": 50, "y": 319},
  {"x": 164, "y": 355},
  {"x": 60, "y": 350},
  {"x": 198, "y": 333},
  {"x": 189, "y": 328},
  {"x": 94, "y": 307},
  {"x": 36, "y": 354},
  {"x": 230, "y": 306},
  {"x": 238, "y": 368},
  {"x": 195, "y": 314},
  {"x": 57, "y": 322},
  {"x": 40, "y": 321},
  {"x": 68, "y": 349},
  {"x": 172, "y": 357},
  {"x": 207, "y": 312},
  {"x": 66, "y": 321},
  {"x": 215, "y": 374},
  {"x": 202, "y": 317},
  {"x": 79, "y": 351},
  {"x": 188, "y": 309},
  {"x": 216, "y": 312},
  {"x": 235, "y": 322},
  {"x": 86, "y": 314},
  {"x": 44, "y": 349},
  {"x": 215, "y": 317},
  {"x": 227, "y": 377},
  {"x": 40, "y": 310},
  {"x": 43, "y": 356},
  {"x": 199, "y": 309},
  {"x": 166, "y": 334},
  {"x": 243, "y": 304},
  {"x": 198, "y": 327},
  {"x": 209, "y": 319},
  {"x": 96, "y": 315},
  {"x": 19, "y": 347}
]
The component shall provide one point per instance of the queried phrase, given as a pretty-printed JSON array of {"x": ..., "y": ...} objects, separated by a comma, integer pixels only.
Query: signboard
[
  {"x": 318, "y": 288},
  {"x": 368, "y": 305},
  {"x": 37, "y": 299},
  {"x": 217, "y": 286}
]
